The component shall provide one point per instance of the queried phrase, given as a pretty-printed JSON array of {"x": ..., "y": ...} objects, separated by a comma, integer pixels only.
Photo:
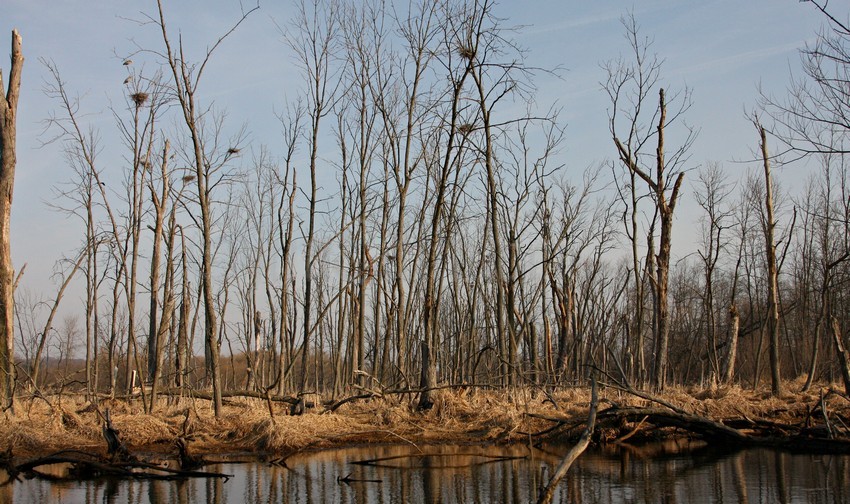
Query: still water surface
[{"x": 670, "y": 472}]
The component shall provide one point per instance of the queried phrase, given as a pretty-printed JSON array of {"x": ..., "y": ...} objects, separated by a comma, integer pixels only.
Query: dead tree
[
  {"x": 185, "y": 81},
  {"x": 8, "y": 138},
  {"x": 160, "y": 203},
  {"x": 459, "y": 70},
  {"x": 314, "y": 41},
  {"x": 629, "y": 86},
  {"x": 772, "y": 275},
  {"x": 711, "y": 195}
]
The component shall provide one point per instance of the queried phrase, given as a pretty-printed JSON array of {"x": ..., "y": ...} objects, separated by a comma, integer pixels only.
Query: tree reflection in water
[{"x": 664, "y": 472}]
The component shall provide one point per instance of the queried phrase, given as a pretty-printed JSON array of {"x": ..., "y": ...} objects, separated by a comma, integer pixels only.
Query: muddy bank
[{"x": 816, "y": 421}]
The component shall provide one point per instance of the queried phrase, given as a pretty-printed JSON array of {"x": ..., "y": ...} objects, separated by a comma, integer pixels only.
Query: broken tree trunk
[
  {"x": 8, "y": 136},
  {"x": 772, "y": 273},
  {"x": 116, "y": 448}
]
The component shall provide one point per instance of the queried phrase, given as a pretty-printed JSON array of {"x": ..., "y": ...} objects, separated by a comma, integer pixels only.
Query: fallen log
[
  {"x": 666, "y": 418},
  {"x": 200, "y": 394},
  {"x": 90, "y": 466},
  {"x": 761, "y": 435},
  {"x": 370, "y": 395}
]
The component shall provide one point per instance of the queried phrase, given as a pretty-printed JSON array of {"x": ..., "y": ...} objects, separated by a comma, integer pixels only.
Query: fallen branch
[
  {"x": 333, "y": 407},
  {"x": 646, "y": 395},
  {"x": 575, "y": 452},
  {"x": 623, "y": 439}
]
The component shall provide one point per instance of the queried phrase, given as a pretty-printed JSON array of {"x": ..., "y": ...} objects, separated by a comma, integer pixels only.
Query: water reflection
[{"x": 669, "y": 472}]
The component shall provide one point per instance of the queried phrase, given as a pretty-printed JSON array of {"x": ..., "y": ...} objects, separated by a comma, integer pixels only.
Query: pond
[{"x": 665, "y": 472}]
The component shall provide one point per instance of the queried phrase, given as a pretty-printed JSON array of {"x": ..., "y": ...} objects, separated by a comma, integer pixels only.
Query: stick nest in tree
[
  {"x": 465, "y": 51},
  {"x": 139, "y": 98},
  {"x": 465, "y": 128}
]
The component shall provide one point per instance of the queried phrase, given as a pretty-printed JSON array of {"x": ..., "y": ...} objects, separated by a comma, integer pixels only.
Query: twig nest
[{"x": 139, "y": 98}]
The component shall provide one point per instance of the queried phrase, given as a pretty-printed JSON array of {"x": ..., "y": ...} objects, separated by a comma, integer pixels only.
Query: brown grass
[{"x": 41, "y": 426}]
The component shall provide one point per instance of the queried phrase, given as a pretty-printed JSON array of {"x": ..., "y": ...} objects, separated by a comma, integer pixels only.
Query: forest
[{"x": 416, "y": 229}]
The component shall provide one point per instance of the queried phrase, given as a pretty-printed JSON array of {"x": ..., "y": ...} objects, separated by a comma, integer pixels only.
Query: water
[{"x": 666, "y": 472}]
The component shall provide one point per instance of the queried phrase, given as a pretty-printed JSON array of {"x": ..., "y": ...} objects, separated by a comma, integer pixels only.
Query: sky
[{"x": 723, "y": 50}]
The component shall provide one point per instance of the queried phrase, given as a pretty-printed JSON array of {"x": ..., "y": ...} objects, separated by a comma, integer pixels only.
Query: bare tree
[
  {"x": 284, "y": 221},
  {"x": 458, "y": 62},
  {"x": 8, "y": 139},
  {"x": 419, "y": 33},
  {"x": 314, "y": 40},
  {"x": 48, "y": 326},
  {"x": 629, "y": 85},
  {"x": 815, "y": 116},
  {"x": 186, "y": 77},
  {"x": 813, "y": 119},
  {"x": 711, "y": 196}
]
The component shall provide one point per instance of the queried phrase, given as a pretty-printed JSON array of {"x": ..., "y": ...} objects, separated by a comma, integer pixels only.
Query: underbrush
[{"x": 459, "y": 415}]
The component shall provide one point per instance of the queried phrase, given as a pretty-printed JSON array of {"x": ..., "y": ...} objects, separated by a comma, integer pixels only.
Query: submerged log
[{"x": 90, "y": 466}]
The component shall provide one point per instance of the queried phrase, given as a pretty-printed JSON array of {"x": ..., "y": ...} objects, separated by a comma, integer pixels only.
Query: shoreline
[{"x": 815, "y": 421}]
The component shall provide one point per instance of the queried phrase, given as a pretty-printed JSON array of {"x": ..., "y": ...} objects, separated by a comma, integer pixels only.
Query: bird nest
[{"x": 139, "y": 98}]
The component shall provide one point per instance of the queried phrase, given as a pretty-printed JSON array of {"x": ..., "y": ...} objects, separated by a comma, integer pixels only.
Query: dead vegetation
[{"x": 48, "y": 425}]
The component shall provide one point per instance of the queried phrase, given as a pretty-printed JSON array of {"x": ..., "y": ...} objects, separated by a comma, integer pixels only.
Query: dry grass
[{"x": 41, "y": 426}]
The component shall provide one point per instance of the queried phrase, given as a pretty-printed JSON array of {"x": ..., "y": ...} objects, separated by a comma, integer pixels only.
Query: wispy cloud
[
  {"x": 572, "y": 23},
  {"x": 731, "y": 62},
  {"x": 603, "y": 15}
]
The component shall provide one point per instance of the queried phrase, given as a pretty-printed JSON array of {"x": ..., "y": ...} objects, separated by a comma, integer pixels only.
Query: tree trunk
[
  {"x": 8, "y": 137},
  {"x": 660, "y": 185},
  {"x": 731, "y": 356},
  {"x": 182, "y": 360},
  {"x": 493, "y": 214},
  {"x": 428, "y": 376},
  {"x": 772, "y": 285},
  {"x": 159, "y": 203},
  {"x": 843, "y": 354}
]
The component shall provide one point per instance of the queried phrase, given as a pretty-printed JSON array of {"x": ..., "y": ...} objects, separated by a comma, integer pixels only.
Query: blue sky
[{"x": 721, "y": 49}]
